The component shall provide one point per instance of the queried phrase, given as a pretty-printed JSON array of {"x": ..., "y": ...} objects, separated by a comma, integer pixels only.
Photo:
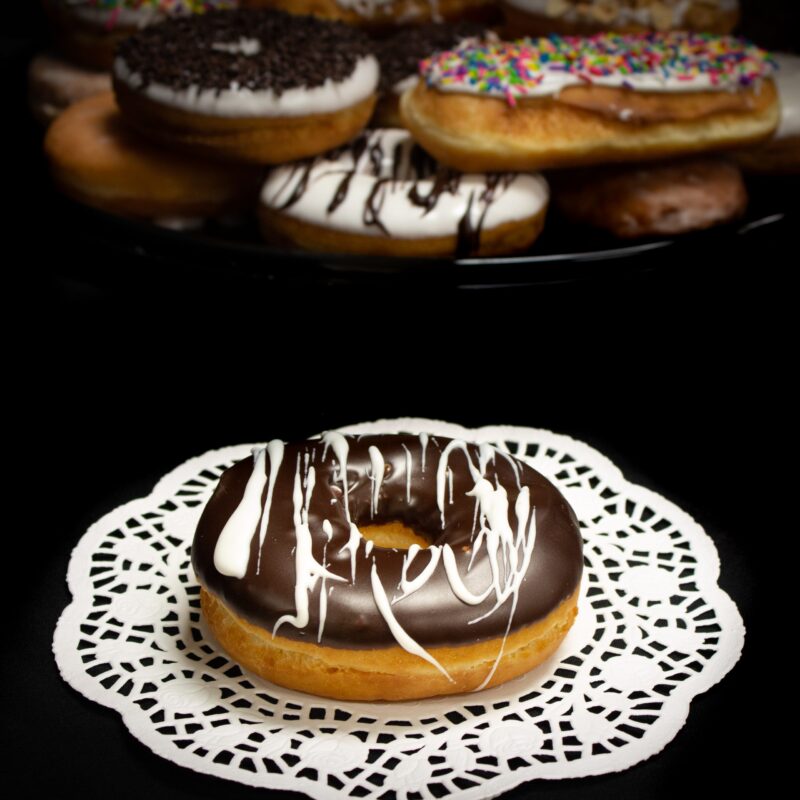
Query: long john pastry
[
  {"x": 572, "y": 101},
  {"x": 387, "y": 567}
]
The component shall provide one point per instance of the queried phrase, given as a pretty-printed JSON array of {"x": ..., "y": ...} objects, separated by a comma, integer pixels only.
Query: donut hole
[{"x": 393, "y": 536}]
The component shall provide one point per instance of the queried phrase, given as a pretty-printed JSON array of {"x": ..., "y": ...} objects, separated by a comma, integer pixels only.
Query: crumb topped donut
[
  {"x": 383, "y": 195},
  {"x": 387, "y": 567},
  {"x": 541, "y": 17},
  {"x": 259, "y": 86},
  {"x": 572, "y": 101}
]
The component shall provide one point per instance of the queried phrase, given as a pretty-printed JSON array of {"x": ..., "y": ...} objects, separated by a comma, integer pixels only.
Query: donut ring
[
  {"x": 383, "y": 195},
  {"x": 257, "y": 86},
  {"x": 315, "y": 576}
]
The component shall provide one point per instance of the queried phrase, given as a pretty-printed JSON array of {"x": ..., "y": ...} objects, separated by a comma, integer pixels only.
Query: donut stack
[{"x": 452, "y": 167}]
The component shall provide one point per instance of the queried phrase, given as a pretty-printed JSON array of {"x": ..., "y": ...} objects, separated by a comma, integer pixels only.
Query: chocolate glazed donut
[{"x": 281, "y": 559}]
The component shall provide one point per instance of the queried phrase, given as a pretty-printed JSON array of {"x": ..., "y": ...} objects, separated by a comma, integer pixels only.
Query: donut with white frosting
[
  {"x": 387, "y": 567},
  {"x": 573, "y": 101},
  {"x": 383, "y": 195},
  {"x": 88, "y": 31},
  {"x": 256, "y": 86}
]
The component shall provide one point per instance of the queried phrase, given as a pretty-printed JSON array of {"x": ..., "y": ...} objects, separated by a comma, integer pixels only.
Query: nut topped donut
[
  {"x": 387, "y": 566},
  {"x": 258, "y": 86}
]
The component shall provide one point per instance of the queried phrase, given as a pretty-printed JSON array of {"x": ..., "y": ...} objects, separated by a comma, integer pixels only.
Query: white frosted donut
[{"x": 383, "y": 191}]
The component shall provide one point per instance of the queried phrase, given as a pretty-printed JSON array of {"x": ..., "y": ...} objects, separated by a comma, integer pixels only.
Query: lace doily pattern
[{"x": 653, "y": 631}]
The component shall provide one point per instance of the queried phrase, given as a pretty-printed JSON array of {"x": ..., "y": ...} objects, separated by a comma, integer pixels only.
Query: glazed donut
[
  {"x": 653, "y": 199},
  {"x": 387, "y": 567},
  {"x": 781, "y": 154},
  {"x": 95, "y": 159},
  {"x": 399, "y": 56},
  {"x": 383, "y": 195},
  {"x": 583, "y": 17},
  {"x": 381, "y": 15},
  {"x": 55, "y": 84},
  {"x": 257, "y": 86},
  {"x": 88, "y": 31},
  {"x": 571, "y": 101}
]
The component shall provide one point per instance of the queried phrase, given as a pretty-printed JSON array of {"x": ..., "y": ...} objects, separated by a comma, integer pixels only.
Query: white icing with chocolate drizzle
[
  {"x": 380, "y": 187},
  {"x": 508, "y": 549}
]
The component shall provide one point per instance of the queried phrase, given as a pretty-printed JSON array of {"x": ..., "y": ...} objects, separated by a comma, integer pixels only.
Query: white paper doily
[{"x": 653, "y": 631}]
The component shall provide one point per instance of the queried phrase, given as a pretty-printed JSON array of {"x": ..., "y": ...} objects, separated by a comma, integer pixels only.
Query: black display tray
[{"x": 564, "y": 252}]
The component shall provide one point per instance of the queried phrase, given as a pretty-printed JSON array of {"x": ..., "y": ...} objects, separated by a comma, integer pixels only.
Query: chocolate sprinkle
[
  {"x": 204, "y": 51},
  {"x": 400, "y": 54}
]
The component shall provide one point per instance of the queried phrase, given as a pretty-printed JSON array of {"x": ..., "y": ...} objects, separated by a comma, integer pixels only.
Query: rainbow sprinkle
[{"x": 528, "y": 67}]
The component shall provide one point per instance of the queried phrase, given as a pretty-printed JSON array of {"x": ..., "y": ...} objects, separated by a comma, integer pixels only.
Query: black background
[{"x": 120, "y": 368}]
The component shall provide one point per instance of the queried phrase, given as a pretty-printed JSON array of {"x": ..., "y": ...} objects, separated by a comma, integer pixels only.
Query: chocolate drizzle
[
  {"x": 296, "y": 530},
  {"x": 407, "y": 168},
  {"x": 251, "y": 49}
]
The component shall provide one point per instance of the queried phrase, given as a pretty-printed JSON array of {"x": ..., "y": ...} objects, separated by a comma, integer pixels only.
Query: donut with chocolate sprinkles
[
  {"x": 258, "y": 86},
  {"x": 399, "y": 56}
]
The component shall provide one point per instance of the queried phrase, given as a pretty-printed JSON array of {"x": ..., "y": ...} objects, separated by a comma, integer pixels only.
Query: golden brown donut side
[
  {"x": 387, "y": 673},
  {"x": 478, "y": 134},
  {"x": 260, "y": 140},
  {"x": 97, "y": 160},
  {"x": 508, "y": 238}
]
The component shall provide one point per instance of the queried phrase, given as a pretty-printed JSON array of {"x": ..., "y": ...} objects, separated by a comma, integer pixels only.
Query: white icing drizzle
[
  {"x": 307, "y": 568},
  {"x": 368, "y": 547},
  {"x": 352, "y": 548},
  {"x": 408, "y": 474},
  {"x": 403, "y": 639},
  {"x": 239, "y": 101},
  {"x": 408, "y": 587},
  {"x": 423, "y": 443},
  {"x": 327, "y": 529},
  {"x": 232, "y": 551},
  {"x": 341, "y": 449},
  {"x": 275, "y": 452},
  {"x": 378, "y": 466}
]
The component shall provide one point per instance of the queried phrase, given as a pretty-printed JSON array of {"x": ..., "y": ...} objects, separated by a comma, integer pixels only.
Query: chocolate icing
[
  {"x": 433, "y": 615},
  {"x": 294, "y": 51}
]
